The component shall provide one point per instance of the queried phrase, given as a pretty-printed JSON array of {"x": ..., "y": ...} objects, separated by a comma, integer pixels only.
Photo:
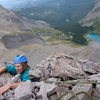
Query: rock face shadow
[{"x": 17, "y": 40}]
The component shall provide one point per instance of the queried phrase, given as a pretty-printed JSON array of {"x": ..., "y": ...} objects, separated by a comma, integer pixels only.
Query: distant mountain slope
[
  {"x": 9, "y": 21},
  {"x": 61, "y": 14},
  {"x": 92, "y": 16}
]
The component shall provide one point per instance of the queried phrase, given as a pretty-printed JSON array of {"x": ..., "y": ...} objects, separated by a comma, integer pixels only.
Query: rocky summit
[{"x": 55, "y": 75}]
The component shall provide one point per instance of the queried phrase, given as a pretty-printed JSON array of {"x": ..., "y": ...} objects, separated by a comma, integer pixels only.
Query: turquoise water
[{"x": 93, "y": 36}]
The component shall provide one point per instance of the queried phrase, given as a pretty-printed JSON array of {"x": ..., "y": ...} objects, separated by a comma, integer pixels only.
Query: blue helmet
[{"x": 20, "y": 59}]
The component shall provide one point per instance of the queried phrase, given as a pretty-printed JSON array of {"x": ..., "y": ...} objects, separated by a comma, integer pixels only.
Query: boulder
[
  {"x": 58, "y": 65},
  {"x": 95, "y": 77},
  {"x": 79, "y": 88},
  {"x": 9, "y": 94},
  {"x": 24, "y": 91},
  {"x": 1, "y": 97},
  {"x": 4, "y": 78},
  {"x": 91, "y": 67},
  {"x": 14, "y": 79},
  {"x": 46, "y": 90}
]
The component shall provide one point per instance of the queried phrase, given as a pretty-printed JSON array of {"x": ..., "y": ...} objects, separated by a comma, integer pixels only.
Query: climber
[{"x": 21, "y": 67}]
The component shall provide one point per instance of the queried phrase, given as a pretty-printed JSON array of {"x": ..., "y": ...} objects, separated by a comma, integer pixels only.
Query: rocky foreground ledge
[{"x": 55, "y": 75}]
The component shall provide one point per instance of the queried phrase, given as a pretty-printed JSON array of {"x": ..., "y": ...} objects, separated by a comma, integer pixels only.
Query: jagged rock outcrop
[
  {"x": 63, "y": 66},
  {"x": 55, "y": 75}
]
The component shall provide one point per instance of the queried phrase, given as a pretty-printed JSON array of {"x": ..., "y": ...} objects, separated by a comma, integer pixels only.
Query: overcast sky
[{"x": 11, "y": 3}]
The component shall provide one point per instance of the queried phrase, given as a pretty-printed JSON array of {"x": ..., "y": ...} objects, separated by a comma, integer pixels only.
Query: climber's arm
[
  {"x": 14, "y": 85},
  {"x": 2, "y": 70},
  {"x": 9, "y": 86}
]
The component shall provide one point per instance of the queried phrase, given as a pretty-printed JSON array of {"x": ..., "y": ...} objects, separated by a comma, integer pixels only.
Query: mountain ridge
[
  {"x": 11, "y": 22},
  {"x": 93, "y": 15}
]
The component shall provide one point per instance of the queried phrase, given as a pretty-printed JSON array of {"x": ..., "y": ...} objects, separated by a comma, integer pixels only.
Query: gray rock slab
[
  {"x": 78, "y": 88},
  {"x": 45, "y": 90},
  {"x": 23, "y": 91}
]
